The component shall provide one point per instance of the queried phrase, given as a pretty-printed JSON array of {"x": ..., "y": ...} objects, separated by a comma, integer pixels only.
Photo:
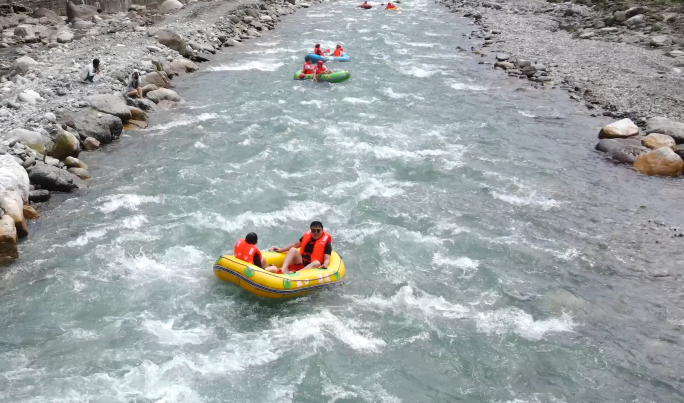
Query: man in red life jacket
[
  {"x": 320, "y": 69},
  {"x": 318, "y": 51},
  {"x": 390, "y": 6},
  {"x": 315, "y": 250},
  {"x": 338, "y": 51},
  {"x": 307, "y": 68},
  {"x": 245, "y": 249}
]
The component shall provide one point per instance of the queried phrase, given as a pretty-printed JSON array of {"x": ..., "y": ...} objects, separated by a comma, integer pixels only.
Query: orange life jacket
[
  {"x": 319, "y": 52},
  {"x": 246, "y": 251},
  {"x": 307, "y": 68},
  {"x": 319, "y": 247},
  {"x": 338, "y": 52}
]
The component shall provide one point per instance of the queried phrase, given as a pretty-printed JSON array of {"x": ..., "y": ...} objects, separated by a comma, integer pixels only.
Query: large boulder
[
  {"x": 113, "y": 104},
  {"x": 660, "y": 162},
  {"x": 163, "y": 94},
  {"x": 152, "y": 78},
  {"x": 24, "y": 31},
  {"x": 13, "y": 177},
  {"x": 169, "y": 39},
  {"x": 64, "y": 37},
  {"x": 622, "y": 150},
  {"x": 101, "y": 126},
  {"x": 170, "y": 5},
  {"x": 51, "y": 16},
  {"x": 65, "y": 145},
  {"x": 621, "y": 129},
  {"x": 138, "y": 114},
  {"x": 24, "y": 64},
  {"x": 29, "y": 138},
  {"x": 13, "y": 206},
  {"x": 664, "y": 125},
  {"x": 81, "y": 12},
  {"x": 183, "y": 65},
  {"x": 30, "y": 97},
  {"x": 655, "y": 141},
  {"x": 52, "y": 178},
  {"x": 8, "y": 239}
]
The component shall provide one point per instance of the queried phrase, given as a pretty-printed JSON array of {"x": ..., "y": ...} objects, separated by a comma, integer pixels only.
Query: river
[{"x": 491, "y": 254}]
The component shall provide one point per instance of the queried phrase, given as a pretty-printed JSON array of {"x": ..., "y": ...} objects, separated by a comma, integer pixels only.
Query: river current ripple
[{"x": 492, "y": 255}]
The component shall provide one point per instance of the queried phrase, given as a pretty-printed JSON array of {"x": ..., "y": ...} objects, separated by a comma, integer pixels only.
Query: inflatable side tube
[
  {"x": 335, "y": 77},
  {"x": 316, "y": 58}
]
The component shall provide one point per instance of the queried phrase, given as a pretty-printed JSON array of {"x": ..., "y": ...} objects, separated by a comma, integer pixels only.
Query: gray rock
[
  {"x": 82, "y": 12},
  {"x": 33, "y": 139},
  {"x": 170, "y": 5},
  {"x": 91, "y": 144},
  {"x": 80, "y": 172},
  {"x": 660, "y": 40},
  {"x": 24, "y": 31},
  {"x": 13, "y": 177},
  {"x": 65, "y": 37},
  {"x": 664, "y": 125},
  {"x": 148, "y": 88},
  {"x": 631, "y": 12},
  {"x": 619, "y": 16},
  {"x": 54, "y": 179},
  {"x": 163, "y": 94},
  {"x": 83, "y": 24},
  {"x": 502, "y": 57},
  {"x": 153, "y": 79},
  {"x": 65, "y": 145},
  {"x": 636, "y": 21},
  {"x": 24, "y": 64},
  {"x": 587, "y": 35},
  {"x": 49, "y": 15},
  {"x": 170, "y": 39},
  {"x": 39, "y": 195},
  {"x": 622, "y": 150},
  {"x": 113, "y": 104},
  {"x": 101, "y": 126},
  {"x": 670, "y": 17}
]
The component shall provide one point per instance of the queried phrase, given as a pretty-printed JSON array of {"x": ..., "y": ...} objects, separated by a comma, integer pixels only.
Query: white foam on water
[
  {"x": 319, "y": 104},
  {"x": 272, "y": 51},
  {"x": 183, "y": 121},
  {"x": 87, "y": 237},
  {"x": 527, "y": 114},
  {"x": 83, "y": 334},
  {"x": 406, "y": 303},
  {"x": 363, "y": 31},
  {"x": 166, "y": 334},
  {"x": 421, "y": 44},
  {"x": 200, "y": 146},
  {"x": 532, "y": 200},
  {"x": 366, "y": 186},
  {"x": 467, "y": 87},
  {"x": 112, "y": 203},
  {"x": 419, "y": 72},
  {"x": 295, "y": 211},
  {"x": 252, "y": 65},
  {"x": 267, "y": 44},
  {"x": 373, "y": 393},
  {"x": 514, "y": 320},
  {"x": 207, "y": 116},
  {"x": 433, "y": 34},
  {"x": 352, "y": 100},
  {"x": 398, "y": 95},
  {"x": 467, "y": 265}
]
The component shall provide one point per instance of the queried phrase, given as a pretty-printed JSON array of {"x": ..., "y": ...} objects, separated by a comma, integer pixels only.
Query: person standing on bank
[{"x": 316, "y": 247}]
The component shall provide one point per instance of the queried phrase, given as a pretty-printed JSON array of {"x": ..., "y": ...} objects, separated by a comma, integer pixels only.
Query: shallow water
[{"x": 491, "y": 254}]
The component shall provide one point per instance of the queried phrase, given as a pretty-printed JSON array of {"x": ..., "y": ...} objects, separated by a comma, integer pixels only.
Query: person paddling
[
  {"x": 320, "y": 69},
  {"x": 307, "y": 67},
  {"x": 318, "y": 51},
  {"x": 338, "y": 51}
]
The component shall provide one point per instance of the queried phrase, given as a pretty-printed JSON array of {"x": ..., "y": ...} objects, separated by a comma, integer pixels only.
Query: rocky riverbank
[
  {"x": 619, "y": 61},
  {"x": 49, "y": 115}
]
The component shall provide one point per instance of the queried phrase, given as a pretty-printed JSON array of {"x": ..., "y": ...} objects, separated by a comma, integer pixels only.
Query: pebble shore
[{"x": 48, "y": 116}]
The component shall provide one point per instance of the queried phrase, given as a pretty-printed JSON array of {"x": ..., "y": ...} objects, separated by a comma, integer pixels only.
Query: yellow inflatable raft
[{"x": 270, "y": 285}]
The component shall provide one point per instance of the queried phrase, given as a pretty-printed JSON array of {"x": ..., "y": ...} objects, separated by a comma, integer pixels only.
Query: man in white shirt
[{"x": 92, "y": 70}]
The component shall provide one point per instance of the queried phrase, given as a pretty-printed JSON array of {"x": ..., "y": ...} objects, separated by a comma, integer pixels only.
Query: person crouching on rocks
[
  {"x": 91, "y": 70},
  {"x": 134, "y": 86}
]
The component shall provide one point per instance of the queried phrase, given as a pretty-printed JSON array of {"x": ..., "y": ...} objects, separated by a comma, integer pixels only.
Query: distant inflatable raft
[
  {"x": 343, "y": 58},
  {"x": 270, "y": 285},
  {"x": 335, "y": 77}
]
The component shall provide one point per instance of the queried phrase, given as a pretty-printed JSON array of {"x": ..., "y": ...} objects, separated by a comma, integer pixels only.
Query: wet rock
[
  {"x": 91, "y": 144},
  {"x": 163, "y": 94},
  {"x": 135, "y": 125},
  {"x": 80, "y": 172},
  {"x": 152, "y": 79},
  {"x": 621, "y": 129},
  {"x": 170, "y": 5},
  {"x": 505, "y": 65},
  {"x": 49, "y": 15},
  {"x": 24, "y": 64},
  {"x": 54, "y": 179},
  {"x": 65, "y": 145},
  {"x": 655, "y": 141},
  {"x": 660, "y": 162},
  {"x": 72, "y": 162},
  {"x": 633, "y": 11},
  {"x": 13, "y": 206},
  {"x": 113, "y": 104},
  {"x": 625, "y": 151},
  {"x": 30, "y": 213},
  {"x": 138, "y": 114},
  {"x": 664, "y": 125},
  {"x": 8, "y": 239},
  {"x": 29, "y": 138},
  {"x": 101, "y": 126},
  {"x": 82, "y": 12},
  {"x": 13, "y": 177},
  {"x": 39, "y": 195},
  {"x": 184, "y": 65}
]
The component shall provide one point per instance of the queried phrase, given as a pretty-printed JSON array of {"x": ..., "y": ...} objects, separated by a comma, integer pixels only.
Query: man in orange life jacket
[
  {"x": 338, "y": 51},
  {"x": 245, "y": 249},
  {"x": 307, "y": 68},
  {"x": 316, "y": 247},
  {"x": 318, "y": 51}
]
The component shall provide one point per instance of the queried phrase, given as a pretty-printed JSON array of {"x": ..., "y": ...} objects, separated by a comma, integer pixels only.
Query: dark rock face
[
  {"x": 82, "y": 12},
  {"x": 625, "y": 151},
  {"x": 101, "y": 126},
  {"x": 52, "y": 178}
]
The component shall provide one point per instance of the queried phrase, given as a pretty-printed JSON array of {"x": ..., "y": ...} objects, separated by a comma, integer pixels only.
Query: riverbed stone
[
  {"x": 13, "y": 177},
  {"x": 655, "y": 141},
  {"x": 621, "y": 129},
  {"x": 138, "y": 114},
  {"x": 65, "y": 37},
  {"x": 54, "y": 179},
  {"x": 81, "y": 12},
  {"x": 72, "y": 162},
  {"x": 625, "y": 151},
  {"x": 169, "y": 39},
  {"x": 49, "y": 15},
  {"x": 152, "y": 79},
  {"x": 80, "y": 172},
  {"x": 30, "y": 97},
  {"x": 12, "y": 205},
  {"x": 39, "y": 195},
  {"x": 8, "y": 239},
  {"x": 170, "y": 5},
  {"x": 91, "y": 144},
  {"x": 101, "y": 126},
  {"x": 660, "y": 162},
  {"x": 113, "y": 104},
  {"x": 65, "y": 145},
  {"x": 24, "y": 64},
  {"x": 30, "y": 213},
  {"x": 663, "y": 125},
  {"x": 163, "y": 94},
  {"x": 29, "y": 138}
]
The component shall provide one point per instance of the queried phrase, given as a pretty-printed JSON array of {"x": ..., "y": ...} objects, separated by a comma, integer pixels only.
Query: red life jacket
[
  {"x": 319, "y": 52},
  {"x": 320, "y": 70},
  {"x": 307, "y": 68},
  {"x": 338, "y": 52},
  {"x": 246, "y": 251},
  {"x": 319, "y": 247}
]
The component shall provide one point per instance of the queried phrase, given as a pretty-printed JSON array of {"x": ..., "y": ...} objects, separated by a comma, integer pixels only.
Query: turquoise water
[{"x": 491, "y": 254}]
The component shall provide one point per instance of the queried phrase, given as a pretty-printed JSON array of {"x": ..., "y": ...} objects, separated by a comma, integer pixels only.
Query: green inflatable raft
[{"x": 334, "y": 77}]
